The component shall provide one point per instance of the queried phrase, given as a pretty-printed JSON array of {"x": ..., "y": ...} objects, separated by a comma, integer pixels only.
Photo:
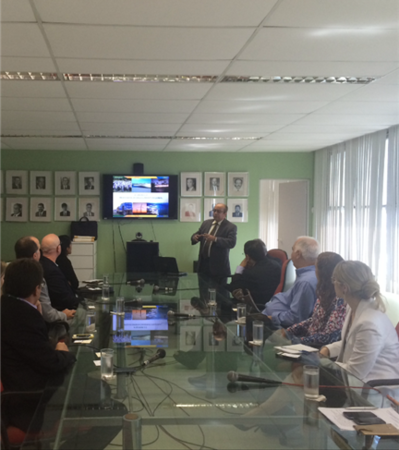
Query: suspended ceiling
[{"x": 209, "y": 75}]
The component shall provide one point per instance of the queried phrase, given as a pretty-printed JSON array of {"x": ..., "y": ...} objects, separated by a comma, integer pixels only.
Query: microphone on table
[
  {"x": 172, "y": 315},
  {"x": 141, "y": 281},
  {"x": 235, "y": 376},
  {"x": 158, "y": 355},
  {"x": 236, "y": 387}
]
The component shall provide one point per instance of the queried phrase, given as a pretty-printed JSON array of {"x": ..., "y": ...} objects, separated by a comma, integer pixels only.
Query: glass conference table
[{"x": 188, "y": 398}]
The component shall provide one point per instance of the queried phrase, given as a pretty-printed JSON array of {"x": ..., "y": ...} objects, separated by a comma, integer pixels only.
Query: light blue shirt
[{"x": 297, "y": 304}]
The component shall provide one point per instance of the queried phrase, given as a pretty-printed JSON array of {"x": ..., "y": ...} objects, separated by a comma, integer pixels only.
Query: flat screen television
[{"x": 140, "y": 197}]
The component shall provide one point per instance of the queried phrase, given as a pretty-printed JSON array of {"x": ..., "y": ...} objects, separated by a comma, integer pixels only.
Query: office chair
[
  {"x": 287, "y": 278},
  {"x": 279, "y": 254}
]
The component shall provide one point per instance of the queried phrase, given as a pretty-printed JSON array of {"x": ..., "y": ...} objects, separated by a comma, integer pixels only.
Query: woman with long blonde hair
[{"x": 369, "y": 347}]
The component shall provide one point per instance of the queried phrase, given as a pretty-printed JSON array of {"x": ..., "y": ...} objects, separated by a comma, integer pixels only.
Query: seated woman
[
  {"x": 325, "y": 324},
  {"x": 65, "y": 264},
  {"x": 369, "y": 348}
]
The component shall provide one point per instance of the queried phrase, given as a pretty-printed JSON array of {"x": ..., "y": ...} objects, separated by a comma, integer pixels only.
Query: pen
[{"x": 361, "y": 408}]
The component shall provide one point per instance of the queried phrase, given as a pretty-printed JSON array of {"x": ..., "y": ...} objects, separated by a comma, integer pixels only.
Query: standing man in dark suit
[{"x": 216, "y": 236}]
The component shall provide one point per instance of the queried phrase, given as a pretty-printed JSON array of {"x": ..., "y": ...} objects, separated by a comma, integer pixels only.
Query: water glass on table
[
  {"x": 311, "y": 381},
  {"x": 107, "y": 362}
]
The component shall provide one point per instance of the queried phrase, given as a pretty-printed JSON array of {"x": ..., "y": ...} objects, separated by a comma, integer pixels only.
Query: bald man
[
  {"x": 61, "y": 294},
  {"x": 297, "y": 304},
  {"x": 29, "y": 247}
]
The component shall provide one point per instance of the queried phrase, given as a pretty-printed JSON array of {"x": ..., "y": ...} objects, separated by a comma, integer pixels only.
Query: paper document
[
  {"x": 296, "y": 348},
  {"x": 337, "y": 417}
]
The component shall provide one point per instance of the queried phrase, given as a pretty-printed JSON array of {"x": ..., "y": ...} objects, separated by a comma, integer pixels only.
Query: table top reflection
[{"x": 186, "y": 398}]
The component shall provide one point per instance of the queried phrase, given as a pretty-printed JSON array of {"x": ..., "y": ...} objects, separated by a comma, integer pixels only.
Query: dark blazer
[
  {"x": 64, "y": 263},
  {"x": 60, "y": 291},
  {"x": 261, "y": 280},
  {"x": 28, "y": 363},
  {"x": 219, "y": 256}
]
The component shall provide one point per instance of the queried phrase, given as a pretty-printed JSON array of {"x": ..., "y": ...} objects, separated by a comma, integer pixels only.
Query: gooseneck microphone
[
  {"x": 233, "y": 377},
  {"x": 158, "y": 355},
  {"x": 237, "y": 387}
]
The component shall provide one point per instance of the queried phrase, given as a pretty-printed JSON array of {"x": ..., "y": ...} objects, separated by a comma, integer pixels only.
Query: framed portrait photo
[
  {"x": 238, "y": 209},
  {"x": 191, "y": 184},
  {"x": 238, "y": 184},
  {"x": 41, "y": 183},
  {"x": 89, "y": 207},
  {"x": 65, "y": 183},
  {"x": 16, "y": 209},
  {"x": 234, "y": 343},
  {"x": 190, "y": 338},
  {"x": 64, "y": 209},
  {"x": 17, "y": 182},
  {"x": 209, "y": 204},
  {"x": 190, "y": 210},
  {"x": 41, "y": 209},
  {"x": 214, "y": 184},
  {"x": 89, "y": 183}
]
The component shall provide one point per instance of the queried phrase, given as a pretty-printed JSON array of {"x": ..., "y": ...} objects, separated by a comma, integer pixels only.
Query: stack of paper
[{"x": 294, "y": 351}]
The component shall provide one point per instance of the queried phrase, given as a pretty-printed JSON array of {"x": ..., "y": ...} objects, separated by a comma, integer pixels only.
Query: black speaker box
[
  {"x": 138, "y": 169},
  {"x": 141, "y": 255}
]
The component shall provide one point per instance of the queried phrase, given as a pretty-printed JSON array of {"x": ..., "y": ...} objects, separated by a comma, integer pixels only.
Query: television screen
[{"x": 140, "y": 196}]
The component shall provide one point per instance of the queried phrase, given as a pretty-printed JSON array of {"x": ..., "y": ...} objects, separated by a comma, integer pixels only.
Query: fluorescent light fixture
[
  {"x": 118, "y": 78},
  {"x": 93, "y": 136}
]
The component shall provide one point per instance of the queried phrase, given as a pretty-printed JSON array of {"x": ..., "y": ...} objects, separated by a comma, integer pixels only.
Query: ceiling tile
[
  {"x": 342, "y": 107},
  {"x": 45, "y": 116},
  {"x": 206, "y": 13},
  {"x": 26, "y": 64},
  {"x": 392, "y": 78},
  {"x": 205, "y": 146},
  {"x": 131, "y": 117},
  {"x": 129, "y": 106},
  {"x": 46, "y": 143},
  {"x": 16, "y": 11},
  {"x": 145, "y": 43},
  {"x": 377, "y": 121},
  {"x": 280, "y": 92},
  {"x": 252, "y": 107},
  {"x": 228, "y": 130},
  {"x": 34, "y": 104},
  {"x": 22, "y": 39},
  {"x": 366, "y": 14},
  {"x": 374, "y": 92},
  {"x": 141, "y": 67},
  {"x": 127, "y": 144},
  {"x": 38, "y": 127},
  {"x": 21, "y": 88},
  {"x": 113, "y": 129},
  {"x": 244, "y": 119},
  {"x": 312, "y": 44},
  {"x": 154, "y": 91},
  {"x": 312, "y": 68}
]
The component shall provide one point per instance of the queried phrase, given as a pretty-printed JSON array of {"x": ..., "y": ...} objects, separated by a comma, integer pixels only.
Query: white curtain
[
  {"x": 351, "y": 216},
  {"x": 392, "y": 211},
  {"x": 268, "y": 213}
]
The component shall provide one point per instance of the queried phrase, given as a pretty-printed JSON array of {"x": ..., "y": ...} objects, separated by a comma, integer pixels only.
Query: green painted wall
[{"x": 173, "y": 236}]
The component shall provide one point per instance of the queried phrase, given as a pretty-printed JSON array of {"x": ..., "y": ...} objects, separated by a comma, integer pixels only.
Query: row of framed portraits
[
  {"x": 40, "y": 182},
  {"x": 191, "y": 211},
  {"x": 214, "y": 184},
  {"x": 47, "y": 209}
]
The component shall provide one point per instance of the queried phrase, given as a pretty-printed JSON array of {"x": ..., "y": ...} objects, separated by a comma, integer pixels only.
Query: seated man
[
  {"x": 60, "y": 291},
  {"x": 28, "y": 360},
  {"x": 297, "y": 304},
  {"x": 29, "y": 247},
  {"x": 258, "y": 273}
]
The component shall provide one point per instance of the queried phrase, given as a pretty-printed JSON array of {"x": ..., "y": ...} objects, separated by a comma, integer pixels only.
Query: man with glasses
[
  {"x": 216, "y": 237},
  {"x": 61, "y": 294}
]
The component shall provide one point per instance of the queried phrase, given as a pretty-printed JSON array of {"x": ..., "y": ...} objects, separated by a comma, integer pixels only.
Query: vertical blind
[{"x": 356, "y": 202}]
